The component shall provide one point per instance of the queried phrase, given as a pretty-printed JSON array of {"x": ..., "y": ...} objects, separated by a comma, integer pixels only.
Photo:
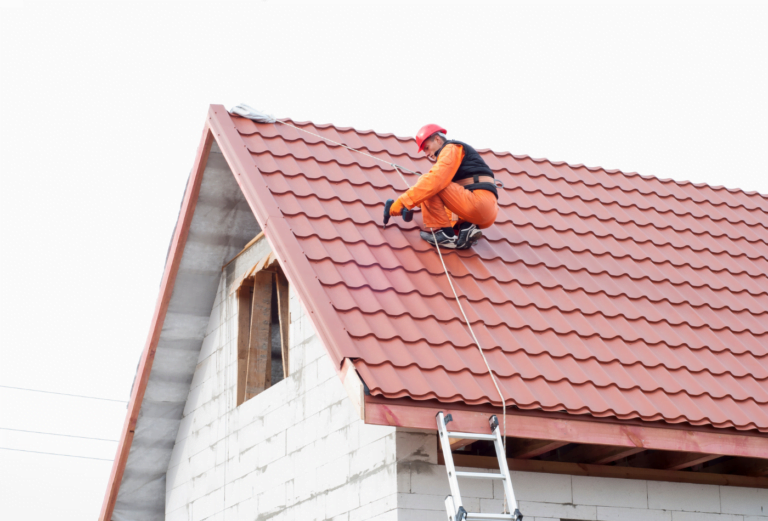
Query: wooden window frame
[{"x": 254, "y": 327}]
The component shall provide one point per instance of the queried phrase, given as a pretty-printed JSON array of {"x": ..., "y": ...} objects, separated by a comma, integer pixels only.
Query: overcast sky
[{"x": 102, "y": 106}]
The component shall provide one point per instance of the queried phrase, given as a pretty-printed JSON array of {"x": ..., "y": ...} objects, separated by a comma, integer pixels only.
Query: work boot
[
  {"x": 443, "y": 239},
  {"x": 469, "y": 234}
]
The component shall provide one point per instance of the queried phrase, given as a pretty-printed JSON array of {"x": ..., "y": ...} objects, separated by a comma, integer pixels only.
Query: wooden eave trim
[
  {"x": 156, "y": 326},
  {"x": 405, "y": 413},
  {"x": 606, "y": 471}
]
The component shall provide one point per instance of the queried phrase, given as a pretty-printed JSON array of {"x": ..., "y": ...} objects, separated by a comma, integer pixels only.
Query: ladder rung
[
  {"x": 486, "y": 475},
  {"x": 488, "y": 517},
  {"x": 472, "y": 436}
]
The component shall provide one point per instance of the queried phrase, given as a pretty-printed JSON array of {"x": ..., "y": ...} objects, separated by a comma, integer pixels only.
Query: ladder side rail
[
  {"x": 445, "y": 444},
  {"x": 502, "y": 457}
]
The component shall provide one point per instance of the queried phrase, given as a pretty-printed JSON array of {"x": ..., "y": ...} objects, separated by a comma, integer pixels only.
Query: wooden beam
[
  {"x": 245, "y": 248},
  {"x": 457, "y": 443},
  {"x": 670, "y": 460},
  {"x": 743, "y": 466},
  {"x": 598, "y": 454},
  {"x": 525, "y": 449},
  {"x": 411, "y": 414},
  {"x": 684, "y": 460},
  {"x": 607, "y": 471},
  {"x": 283, "y": 313},
  {"x": 259, "y": 367},
  {"x": 244, "y": 298}
]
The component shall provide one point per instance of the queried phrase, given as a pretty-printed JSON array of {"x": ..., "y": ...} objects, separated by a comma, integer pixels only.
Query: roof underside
[
  {"x": 222, "y": 223},
  {"x": 596, "y": 292}
]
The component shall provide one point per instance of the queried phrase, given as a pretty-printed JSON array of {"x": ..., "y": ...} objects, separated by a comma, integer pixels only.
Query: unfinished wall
[
  {"x": 423, "y": 485},
  {"x": 295, "y": 451}
]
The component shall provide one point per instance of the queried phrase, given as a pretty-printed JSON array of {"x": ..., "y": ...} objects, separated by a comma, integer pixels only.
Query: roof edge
[
  {"x": 411, "y": 414},
  {"x": 173, "y": 261},
  {"x": 276, "y": 229}
]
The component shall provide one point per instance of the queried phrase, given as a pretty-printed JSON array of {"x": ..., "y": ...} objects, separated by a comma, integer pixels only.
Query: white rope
[
  {"x": 474, "y": 337},
  {"x": 445, "y": 269},
  {"x": 477, "y": 343}
]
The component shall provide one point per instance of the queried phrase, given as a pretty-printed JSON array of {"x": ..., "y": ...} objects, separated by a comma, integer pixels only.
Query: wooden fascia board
[
  {"x": 606, "y": 471},
  {"x": 520, "y": 425},
  {"x": 156, "y": 326},
  {"x": 283, "y": 242}
]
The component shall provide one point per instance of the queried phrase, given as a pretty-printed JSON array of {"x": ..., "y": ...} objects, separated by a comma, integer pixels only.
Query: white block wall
[
  {"x": 423, "y": 485},
  {"x": 299, "y": 452}
]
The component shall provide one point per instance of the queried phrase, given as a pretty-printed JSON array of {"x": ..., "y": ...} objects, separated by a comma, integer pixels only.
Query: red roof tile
[{"x": 596, "y": 292}]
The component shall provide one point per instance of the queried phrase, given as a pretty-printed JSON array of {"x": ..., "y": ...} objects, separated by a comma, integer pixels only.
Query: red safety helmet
[{"x": 426, "y": 132}]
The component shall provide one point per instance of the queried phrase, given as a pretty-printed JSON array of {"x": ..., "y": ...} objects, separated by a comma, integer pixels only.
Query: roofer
[{"x": 459, "y": 183}]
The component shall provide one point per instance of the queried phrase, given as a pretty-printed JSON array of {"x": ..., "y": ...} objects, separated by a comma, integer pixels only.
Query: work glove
[{"x": 395, "y": 208}]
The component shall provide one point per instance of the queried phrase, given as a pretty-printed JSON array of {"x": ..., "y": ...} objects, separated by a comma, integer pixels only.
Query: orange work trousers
[{"x": 479, "y": 207}]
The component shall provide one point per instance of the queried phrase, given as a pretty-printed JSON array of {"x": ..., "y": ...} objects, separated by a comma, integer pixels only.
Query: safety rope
[{"x": 447, "y": 275}]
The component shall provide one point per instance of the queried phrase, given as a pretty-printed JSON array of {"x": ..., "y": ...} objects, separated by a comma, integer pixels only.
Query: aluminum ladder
[{"x": 453, "y": 504}]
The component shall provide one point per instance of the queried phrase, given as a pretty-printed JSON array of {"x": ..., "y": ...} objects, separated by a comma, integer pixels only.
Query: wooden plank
[
  {"x": 599, "y": 454},
  {"x": 283, "y": 313},
  {"x": 404, "y": 413},
  {"x": 607, "y": 471},
  {"x": 670, "y": 460},
  {"x": 684, "y": 460},
  {"x": 524, "y": 449},
  {"x": 458, "y": 443},
  {"x": 743, "y": 466},
  {"x": 244, "y": 298},
  {"x": 245, "y": 248},
  {"x": 259, "y": 366}
]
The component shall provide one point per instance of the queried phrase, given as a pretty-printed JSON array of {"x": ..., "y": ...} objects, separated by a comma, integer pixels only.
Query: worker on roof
[{"x": 459, "y": 183}]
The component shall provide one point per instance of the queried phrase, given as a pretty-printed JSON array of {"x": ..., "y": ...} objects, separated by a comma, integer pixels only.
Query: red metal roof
[{"x": 596, "y": 292}]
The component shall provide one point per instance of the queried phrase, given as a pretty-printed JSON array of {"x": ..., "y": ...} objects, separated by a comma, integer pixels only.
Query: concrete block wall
[
  {"x": 423, "y": 485},
  {"x": 296, "y": 451}
]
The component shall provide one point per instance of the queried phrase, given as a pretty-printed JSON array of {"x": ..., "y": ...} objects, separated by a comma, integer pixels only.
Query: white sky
[{"x": 102, "y": 106}]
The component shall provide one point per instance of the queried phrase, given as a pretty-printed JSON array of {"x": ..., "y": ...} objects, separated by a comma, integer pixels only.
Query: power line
[
  {"x": 55, "y": 434},
  {"x": 64, "y": 394},
  {"x": 55, "y": 454}
]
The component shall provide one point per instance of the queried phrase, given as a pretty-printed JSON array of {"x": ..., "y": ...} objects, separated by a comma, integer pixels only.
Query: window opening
[{"x": 262, "y": 331}]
